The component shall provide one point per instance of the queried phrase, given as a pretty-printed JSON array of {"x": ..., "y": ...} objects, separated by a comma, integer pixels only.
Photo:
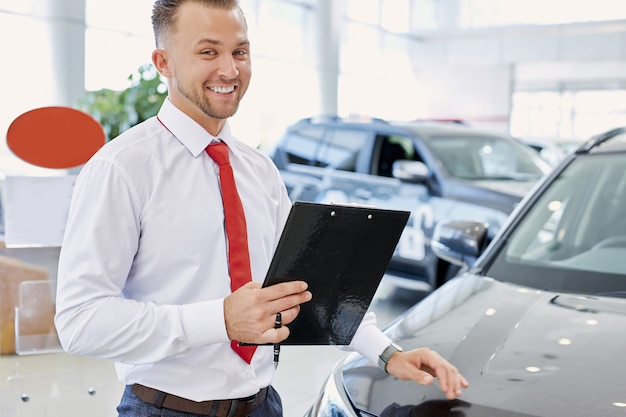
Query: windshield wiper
[
  {"x": 591, "y": 304},
  {"x": 512, "y": 177},
  {"x": 618, "y": 294}
]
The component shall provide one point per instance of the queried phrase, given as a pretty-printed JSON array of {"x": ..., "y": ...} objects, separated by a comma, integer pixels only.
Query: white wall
[{"x": 470, "y": 72}]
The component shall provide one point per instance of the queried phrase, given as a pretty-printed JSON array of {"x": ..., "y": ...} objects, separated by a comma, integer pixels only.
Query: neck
[{"x": 212, "y": 125}]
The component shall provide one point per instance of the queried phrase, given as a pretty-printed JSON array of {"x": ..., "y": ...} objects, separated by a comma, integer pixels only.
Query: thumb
[{"x": 252, "y": 285}]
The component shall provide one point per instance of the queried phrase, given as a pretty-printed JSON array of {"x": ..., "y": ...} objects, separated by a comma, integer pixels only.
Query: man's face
[{"x": 209, "y": 61}]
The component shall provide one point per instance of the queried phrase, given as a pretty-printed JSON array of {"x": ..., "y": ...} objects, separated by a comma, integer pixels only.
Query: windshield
[
  {"x": 473, "y": 157},
  {"x": 574, "y": 237}
]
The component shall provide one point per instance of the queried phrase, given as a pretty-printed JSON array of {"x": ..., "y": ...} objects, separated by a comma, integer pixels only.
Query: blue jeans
[{"x": 133, "y": 406}]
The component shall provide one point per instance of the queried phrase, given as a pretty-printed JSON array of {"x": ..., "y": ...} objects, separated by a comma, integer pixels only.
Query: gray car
[{"x": 535, "y": 324}]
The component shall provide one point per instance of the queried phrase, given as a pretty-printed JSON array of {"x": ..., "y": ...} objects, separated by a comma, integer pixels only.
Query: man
[{"x": 144, "y": 267}]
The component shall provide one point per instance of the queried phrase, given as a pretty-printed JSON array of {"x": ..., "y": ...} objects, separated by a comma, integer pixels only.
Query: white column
[
  {"x": 65, "y": 20},
  {"x": 328, "y": 25}
]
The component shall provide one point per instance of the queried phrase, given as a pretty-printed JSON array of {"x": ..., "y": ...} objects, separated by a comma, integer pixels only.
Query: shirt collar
[{"x": 193, "y": 136}]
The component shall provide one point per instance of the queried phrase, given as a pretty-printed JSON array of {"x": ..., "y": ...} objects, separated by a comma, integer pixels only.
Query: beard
[{"x": 204, "y": 104}]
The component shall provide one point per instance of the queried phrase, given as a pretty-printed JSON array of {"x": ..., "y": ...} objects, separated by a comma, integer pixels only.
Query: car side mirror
[
  {"x": 459, "y": 242},
  {"x": 410, "y": 171}
]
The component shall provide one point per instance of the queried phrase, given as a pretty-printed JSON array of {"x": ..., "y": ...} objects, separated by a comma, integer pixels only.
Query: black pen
[{"x": 277, "y": 325}]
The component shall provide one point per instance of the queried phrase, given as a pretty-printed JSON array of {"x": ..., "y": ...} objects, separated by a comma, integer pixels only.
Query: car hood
[
  {"x": 501, "y": 195},
  {"x": 516, "y": 188},
  {"x": 525, "y": 352}
]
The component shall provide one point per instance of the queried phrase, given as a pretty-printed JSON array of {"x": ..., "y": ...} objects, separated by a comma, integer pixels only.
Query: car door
[
  {"x": 413, "y": 256},
  {"x": 424, "y": 198}
]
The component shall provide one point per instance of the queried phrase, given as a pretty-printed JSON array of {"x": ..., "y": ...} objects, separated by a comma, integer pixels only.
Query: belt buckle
[
  {"x": 249, "y": 399},
  {"x": 233, "y": 408},
  {"x": 234, "y": 404}
]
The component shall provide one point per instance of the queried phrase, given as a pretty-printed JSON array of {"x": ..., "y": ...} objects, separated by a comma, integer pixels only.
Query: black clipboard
[{"x": 342, "y": 252}]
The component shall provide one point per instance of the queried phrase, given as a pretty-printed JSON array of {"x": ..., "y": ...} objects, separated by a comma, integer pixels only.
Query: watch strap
[{"x": 386, "y": 355}]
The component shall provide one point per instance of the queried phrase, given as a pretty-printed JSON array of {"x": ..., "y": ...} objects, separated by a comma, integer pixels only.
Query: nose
[{"x": 228, "y": 67}]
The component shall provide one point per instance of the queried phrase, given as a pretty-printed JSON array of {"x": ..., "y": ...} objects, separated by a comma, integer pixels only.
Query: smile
[{"x": 222, "y": 90}]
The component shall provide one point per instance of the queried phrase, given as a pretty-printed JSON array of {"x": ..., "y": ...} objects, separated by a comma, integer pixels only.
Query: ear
[{"x": 161, "y": 63}]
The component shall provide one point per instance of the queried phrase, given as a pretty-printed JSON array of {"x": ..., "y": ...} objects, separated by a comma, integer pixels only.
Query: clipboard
[{"x": 342, "y": 252}]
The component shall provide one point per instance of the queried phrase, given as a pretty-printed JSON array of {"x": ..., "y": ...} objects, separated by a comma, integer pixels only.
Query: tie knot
[{"x": 219, "y": 153}]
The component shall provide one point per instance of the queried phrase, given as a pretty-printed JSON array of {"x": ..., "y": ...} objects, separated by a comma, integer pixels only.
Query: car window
[
  {"x": 392, "y": 149},
  {"x": 574, "y": 236},
  {"x": 342, "y": 147},
  {"x": 302, "y": 144},
  {"x": 489, "y": 157}
]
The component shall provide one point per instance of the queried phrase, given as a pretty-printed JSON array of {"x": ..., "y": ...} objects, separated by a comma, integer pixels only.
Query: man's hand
[
  {"x": 422, "y": 365},
  {"x": 250, "y": 311}
]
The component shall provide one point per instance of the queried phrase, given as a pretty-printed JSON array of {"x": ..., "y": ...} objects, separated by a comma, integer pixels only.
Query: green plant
[{"x": 119, "y": 110}]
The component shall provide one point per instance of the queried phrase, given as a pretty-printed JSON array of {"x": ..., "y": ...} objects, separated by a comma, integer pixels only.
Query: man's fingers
[
  {"x": 423, "y": 365},
  {"x": 285, "y": 289},
  {"x": 290, "y": 314},
  {"x": 275, "y": 335},
  {"x": 286, "y": 298},
  {"x": 252, "y": 285},
  {"x": 250, "y": 311},
  {"x": 451, "y": 381}
]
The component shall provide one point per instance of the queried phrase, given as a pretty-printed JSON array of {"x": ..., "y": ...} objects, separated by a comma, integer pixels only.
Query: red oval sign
[{"x": 55, "y": 137}]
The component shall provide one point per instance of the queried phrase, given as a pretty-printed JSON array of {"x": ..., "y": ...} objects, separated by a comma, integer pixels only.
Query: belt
[{"x": 240, "y": 407}]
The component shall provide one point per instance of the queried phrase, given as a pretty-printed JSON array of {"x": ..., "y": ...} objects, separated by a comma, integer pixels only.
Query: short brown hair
[{"x": 164, "y": 14}]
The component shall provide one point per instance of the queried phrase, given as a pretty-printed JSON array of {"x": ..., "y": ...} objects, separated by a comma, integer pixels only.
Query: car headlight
[{"x": 333, "y": 400}]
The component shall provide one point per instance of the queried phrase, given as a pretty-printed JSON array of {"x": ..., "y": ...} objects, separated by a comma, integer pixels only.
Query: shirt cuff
[
  {"x": 369, "y": 340},
  {"x": 204, "y": 323}
]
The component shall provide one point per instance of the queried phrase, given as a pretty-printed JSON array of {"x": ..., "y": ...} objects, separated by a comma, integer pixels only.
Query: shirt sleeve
[
  {"x": 369, "y": 340},
  {"x": 284, "y": 204},
  {"x": 92, "y": 315}
]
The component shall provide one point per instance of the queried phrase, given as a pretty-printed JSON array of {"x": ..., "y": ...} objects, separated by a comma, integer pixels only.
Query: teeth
[{"x": 222, "y": 90}]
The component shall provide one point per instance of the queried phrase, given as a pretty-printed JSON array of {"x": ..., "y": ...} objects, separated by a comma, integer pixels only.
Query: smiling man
[
  {"x": 156, "y": 275},
  {"x": 206, "y": 61}
]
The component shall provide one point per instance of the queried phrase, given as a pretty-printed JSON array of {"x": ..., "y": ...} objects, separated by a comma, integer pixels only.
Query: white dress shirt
[{"x": 143, "y": 270}]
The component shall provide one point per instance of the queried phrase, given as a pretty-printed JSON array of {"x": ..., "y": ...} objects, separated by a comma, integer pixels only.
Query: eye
[{"x": 208, "y": 52}]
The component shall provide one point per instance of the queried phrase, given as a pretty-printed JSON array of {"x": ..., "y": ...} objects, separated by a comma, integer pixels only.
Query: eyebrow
[{"x": 219, "y": 43}]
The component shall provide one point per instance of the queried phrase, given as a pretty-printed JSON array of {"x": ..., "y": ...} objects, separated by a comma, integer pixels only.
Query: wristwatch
[{"x": 386, "y": 355}]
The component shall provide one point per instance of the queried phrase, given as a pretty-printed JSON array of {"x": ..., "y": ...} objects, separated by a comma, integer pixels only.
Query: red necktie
[{"x": 235, "y": 224}]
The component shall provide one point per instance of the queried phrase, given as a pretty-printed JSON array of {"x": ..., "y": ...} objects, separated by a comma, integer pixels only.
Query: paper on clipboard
[{"x": 342, "y": 252}]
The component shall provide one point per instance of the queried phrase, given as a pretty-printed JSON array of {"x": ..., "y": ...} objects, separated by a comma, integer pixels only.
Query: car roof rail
[
  {"x": 600, "y": 139},
  {"x": 444, "y": 121},
  {"x": 326, "y": 118},
  {"x": 322, "y": 118}
]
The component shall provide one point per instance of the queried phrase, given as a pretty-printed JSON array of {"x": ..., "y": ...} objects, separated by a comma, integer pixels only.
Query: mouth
[{"x": 222, "y": 90}]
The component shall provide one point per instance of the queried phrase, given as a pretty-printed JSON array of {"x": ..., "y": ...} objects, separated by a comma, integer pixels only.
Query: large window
[
  {"x": 404, "y": 16},
  {"x": 489, "y": 13},
  {"x": 12, "y": 6},
  {"x": 116, "y": 43},
  {"x": 567, "y": 114}
]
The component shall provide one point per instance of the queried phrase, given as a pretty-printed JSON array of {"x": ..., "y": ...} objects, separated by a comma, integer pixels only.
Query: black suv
[{"x": 438, "y": 171}]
